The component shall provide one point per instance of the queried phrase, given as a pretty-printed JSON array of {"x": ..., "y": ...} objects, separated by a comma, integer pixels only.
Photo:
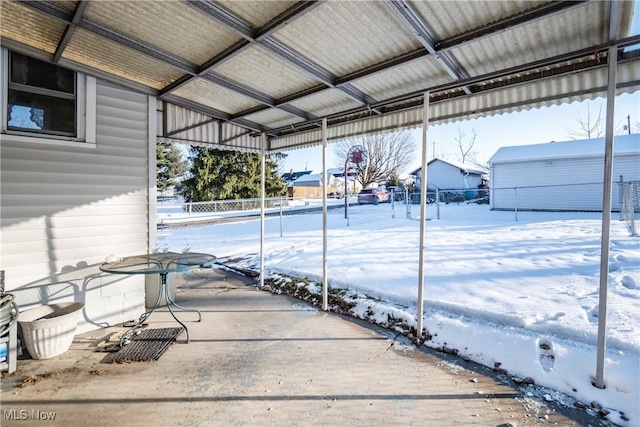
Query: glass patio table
[{"x": 162, "y": 264}]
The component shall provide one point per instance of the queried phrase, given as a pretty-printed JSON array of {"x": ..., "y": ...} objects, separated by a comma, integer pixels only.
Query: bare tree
[
  {"x": 589, "y": 127},
  {"x": 386, "y": 155},
  {"x": 465, "y": 146}
]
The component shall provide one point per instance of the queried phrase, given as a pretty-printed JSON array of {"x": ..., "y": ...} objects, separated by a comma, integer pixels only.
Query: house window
[{"x": 41, "y": 97}]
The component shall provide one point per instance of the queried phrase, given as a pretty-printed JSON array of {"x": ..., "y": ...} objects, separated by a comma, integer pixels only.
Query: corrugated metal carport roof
[{"x": 227, "y": 71}]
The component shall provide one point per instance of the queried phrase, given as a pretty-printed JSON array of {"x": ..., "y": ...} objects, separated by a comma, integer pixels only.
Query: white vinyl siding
[
  {"x": 558, "y": 184},
  {"x": 445, "y": 176},
  {"x": 65, "y": 208}
]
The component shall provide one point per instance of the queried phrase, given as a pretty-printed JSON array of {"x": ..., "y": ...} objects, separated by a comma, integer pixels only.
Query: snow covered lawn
[{"x": 519, "y": 296}]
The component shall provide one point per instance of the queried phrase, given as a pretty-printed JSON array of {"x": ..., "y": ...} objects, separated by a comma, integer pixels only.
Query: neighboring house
[
  {"x": 291, "y": 176},
  {"x": 78, "y": 179},
  {"x": 311, "y": 186},
  {"x": 575, "y": 169},
  {"x": 353, "y": 186},
  {"x": 447, "y": 175}
]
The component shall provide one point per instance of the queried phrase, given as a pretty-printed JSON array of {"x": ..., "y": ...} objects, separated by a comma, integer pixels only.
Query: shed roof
[
  {"x": 315, "y": 178},
  {"x": 229, "y": 71},
  {"x": 622, "y": 145}
]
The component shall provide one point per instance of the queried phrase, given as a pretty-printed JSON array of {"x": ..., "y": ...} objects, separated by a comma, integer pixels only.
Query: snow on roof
[
  {"x": 622, "y": 144},
  {"x": 292, "y": 176},
  {"x": 316, "y": 177},
  {"x": 465, "y": 167}
]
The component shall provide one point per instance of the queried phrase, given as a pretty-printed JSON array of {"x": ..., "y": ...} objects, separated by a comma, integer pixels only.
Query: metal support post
[{"x": 612, "y": 58}]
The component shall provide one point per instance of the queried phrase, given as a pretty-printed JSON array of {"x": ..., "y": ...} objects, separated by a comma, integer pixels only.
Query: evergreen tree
[
  {"x": 224, "y": 174},
  {"x": 169, "y": 165},
  {"x": 394, "y": 180}
]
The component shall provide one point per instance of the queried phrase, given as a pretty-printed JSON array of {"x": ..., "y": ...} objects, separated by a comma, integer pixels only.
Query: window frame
[{"x": 85, "y": 97}]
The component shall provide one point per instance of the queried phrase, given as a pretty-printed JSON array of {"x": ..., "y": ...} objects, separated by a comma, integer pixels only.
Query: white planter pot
[{"x": 48, "y": 331}]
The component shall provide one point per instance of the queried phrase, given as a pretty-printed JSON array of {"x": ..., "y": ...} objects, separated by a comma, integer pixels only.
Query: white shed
[
  {"x": 448, "y": 175},
  {"x": 561, "y": 175}
]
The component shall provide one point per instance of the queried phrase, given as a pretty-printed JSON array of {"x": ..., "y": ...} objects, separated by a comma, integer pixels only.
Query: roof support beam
[
  {"x": 585, "y": 54},
  {"x": 382, "y": 66},
  {"x": 283, "y": 101},
  {"x": 225, "y": 17},
  {"x": 524, "y": 18},
  {"x": 219, "y": 59},
  {"x": 476, "y": 34},
  {"x": 255, "y": 95},
  {"x": 213, "y": 112},
  {"x": 139, "y": 46},
  {"x": 186, "y": 128},
  {"x": 249, "y": 38},
  {"x": 296, "y": 11},
  {"x": 298, "y": 61},
  {"x": 81, "y": 6},
  {"x": 414, "y": 23},
  {"x": 191, "y": 70},
  {"x": 244, "y": 30},
  {"x": 239, "y": 88},
  {"x": 56, "y": 11}
]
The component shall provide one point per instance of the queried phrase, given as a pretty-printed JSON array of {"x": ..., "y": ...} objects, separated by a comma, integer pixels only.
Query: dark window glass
[
  {"x": 40, "y": 112},
  {"x": 32, "y": 72},
  {"x": 42, "y": 97}
]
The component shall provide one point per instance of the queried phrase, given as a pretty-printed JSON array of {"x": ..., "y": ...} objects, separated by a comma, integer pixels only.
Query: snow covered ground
[{"x": 521, "y": 295}]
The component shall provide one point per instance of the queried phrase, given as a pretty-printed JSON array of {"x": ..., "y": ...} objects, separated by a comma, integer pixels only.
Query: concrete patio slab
[{"x": 263, "y": 359}]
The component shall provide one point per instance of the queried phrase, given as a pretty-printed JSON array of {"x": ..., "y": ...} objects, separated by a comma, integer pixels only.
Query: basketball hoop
[{"x": 356, "y": 155}]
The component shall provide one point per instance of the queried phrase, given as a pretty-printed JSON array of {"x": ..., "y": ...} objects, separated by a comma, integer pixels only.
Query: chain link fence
[
  {"x": 630, "y": 205},
  {"x": 232, "y": 227},
  {"x": 532, "y": 203}
]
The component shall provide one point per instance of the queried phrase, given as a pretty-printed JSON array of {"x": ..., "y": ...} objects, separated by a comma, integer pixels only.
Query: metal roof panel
[
  {"x": 539, "y": 40},
  {"x": 69, "y": 5},
  {"x": 325, "y": 102},
  {"x": 563, "y": 89},
  {"x": 404, "y": 79},
  {"x": 29, "y": 27},
  {"x": 97, "y": 52},
  {"x": 274, "y": 118},
  {"x": 343, "y": 37},
  {"x": 261, "y": 70},
  {"x": 215, "y": 96},
  {"x": 363, "y": 65},
  {"x": 169, "y": 25},
  {"x": 450, "y": 18},
  {"x": 257, "y": 13}
]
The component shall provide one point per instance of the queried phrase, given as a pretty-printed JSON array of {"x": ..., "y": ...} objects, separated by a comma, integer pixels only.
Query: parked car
[
  {"x": 398, "y": 193},
  {"x": 373, "y": 196}
]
